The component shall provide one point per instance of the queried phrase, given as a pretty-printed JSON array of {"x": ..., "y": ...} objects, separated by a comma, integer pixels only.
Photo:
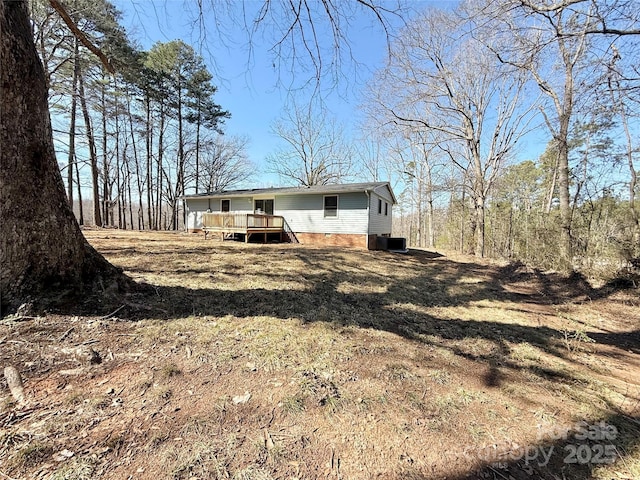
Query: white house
[{"x": 348, "y": 215}]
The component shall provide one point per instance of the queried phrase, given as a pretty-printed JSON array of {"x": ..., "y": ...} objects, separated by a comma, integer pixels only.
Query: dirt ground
[{"x": 284, "y": 361}]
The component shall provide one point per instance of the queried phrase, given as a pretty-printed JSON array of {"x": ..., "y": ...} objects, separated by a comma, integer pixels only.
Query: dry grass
[{"x": 358, "y": 365}]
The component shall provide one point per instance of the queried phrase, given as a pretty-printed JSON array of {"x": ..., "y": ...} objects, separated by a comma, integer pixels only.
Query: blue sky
[{"x": 250, "y": 86}]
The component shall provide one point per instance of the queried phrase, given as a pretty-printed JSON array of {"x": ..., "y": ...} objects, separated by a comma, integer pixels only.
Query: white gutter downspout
[{"x": 368, "y": 216}]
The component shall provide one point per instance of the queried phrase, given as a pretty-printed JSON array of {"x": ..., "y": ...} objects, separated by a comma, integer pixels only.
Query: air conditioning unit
[{"x": 392, "y": 244}]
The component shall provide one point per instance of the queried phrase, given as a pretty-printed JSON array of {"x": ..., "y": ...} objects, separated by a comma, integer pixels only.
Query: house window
[
  {"x": 225, "y": 205},
  {"x": 331, "y": 206},
  {"x": 386, "y": 208},
  {"x": 264, "y": 206},
  {"x": 379, "y": 206}
]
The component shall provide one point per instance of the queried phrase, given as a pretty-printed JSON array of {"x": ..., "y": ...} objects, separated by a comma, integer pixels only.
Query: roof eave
[{"x": 293, "y": 191}]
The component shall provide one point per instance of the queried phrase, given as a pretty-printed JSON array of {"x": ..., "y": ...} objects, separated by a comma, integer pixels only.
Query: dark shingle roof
[{"x": 317, "y": 189}]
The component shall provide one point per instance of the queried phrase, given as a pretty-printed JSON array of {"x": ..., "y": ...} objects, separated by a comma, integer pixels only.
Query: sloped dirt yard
[{"x": 276, "y": 361}]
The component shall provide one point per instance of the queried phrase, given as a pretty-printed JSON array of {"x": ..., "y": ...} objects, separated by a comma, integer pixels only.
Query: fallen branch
[
  {"x": 15, "y": 384},
  {"x": 65, "y": 334},
  {"x": 18, "y": 318},
  {"x": 112, "y": 313},
  {"x": 139, "y": 306}
]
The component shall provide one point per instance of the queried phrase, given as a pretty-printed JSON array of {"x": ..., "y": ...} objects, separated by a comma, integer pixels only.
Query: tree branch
[{"x": 57, "y": 6}]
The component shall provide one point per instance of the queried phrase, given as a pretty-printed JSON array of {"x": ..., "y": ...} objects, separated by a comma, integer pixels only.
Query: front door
[{"x": 264, "y": 206}]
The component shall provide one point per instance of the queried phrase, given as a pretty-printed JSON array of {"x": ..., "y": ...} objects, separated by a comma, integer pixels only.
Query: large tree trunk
[
  {"x": 479, "y": 203},
  {"x": 42, "y": 249}
]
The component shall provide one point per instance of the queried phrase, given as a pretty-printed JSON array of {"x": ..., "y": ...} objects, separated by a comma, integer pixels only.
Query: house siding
[
  {"x": 305, "y": 213},
  {"x": 236, "y": 204},
  {"x": 379, "y": 223},
  {"x": 196, "y": 207},
  {"x": 384, "y": 192}
]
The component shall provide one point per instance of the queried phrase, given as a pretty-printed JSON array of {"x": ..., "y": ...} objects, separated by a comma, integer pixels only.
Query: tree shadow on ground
[
  {"x": 331, "y": 292},
  {"x": 400, "y": 312},
  {"x": 573, "y": 454},
  {"x": 411, "y": 308},
  {"x": 342, "y": 296}
]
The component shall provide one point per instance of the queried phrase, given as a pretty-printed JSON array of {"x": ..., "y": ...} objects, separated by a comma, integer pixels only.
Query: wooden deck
[{"x": 243, "y": 223}]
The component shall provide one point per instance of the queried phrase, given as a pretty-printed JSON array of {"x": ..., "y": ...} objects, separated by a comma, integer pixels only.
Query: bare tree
[
  {"x": 621, "y": 96},
  {"x": 433, "y": 83},
  {"x": 424, "y": 166},
  {"x": 552, "y": 42},
  {"x": 313, "y": 34},
  {"x": 223, "y": 163},
  {"x": 315, "y": 152},
  {"x": 372, "y": 159}
]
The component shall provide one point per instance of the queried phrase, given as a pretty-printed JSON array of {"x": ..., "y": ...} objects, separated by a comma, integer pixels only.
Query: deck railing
[
  {"x": 255, "y": 220},
  {"x": 240, "y": 221}
]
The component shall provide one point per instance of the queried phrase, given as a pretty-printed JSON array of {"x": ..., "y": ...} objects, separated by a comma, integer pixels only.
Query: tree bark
[
  {"x": 479, "y": 203},
  {"x": 42, "y": 249},
  {"x": 552, "y": 187}
]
